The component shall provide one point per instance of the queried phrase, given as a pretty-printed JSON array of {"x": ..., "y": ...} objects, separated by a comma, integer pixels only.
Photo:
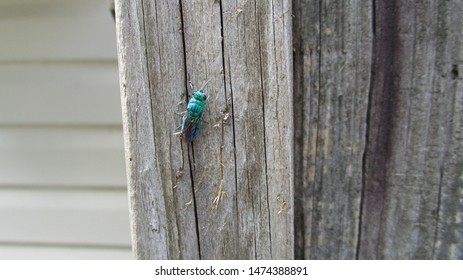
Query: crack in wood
[
  {"x": 383, "y": 104},
  {"x": 190, "y": 160}
]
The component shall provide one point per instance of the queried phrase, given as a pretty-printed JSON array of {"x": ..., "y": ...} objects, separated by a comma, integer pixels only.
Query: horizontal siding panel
[
  {"x": 62, "y": 156},
  {"x": 57, "y": 216},
  {"x": 56, "y": 30},
  {"x": 60, "y": 93},
  {"x": 62, "y": 173},
  {"x": 63, "y": 253}
]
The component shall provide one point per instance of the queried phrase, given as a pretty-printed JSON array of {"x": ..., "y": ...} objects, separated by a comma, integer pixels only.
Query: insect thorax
[{"x": 195, "y": 107}]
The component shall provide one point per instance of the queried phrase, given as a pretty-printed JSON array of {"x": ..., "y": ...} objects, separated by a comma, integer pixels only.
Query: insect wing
[{"x": 191, "y": 127}]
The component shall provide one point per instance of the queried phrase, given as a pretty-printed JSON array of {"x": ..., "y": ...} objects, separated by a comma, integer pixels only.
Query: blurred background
[{"x": 62, "y": 171}]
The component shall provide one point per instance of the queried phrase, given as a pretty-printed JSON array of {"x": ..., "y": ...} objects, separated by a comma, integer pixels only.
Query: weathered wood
[
  {"x": 443, "y": 160},
  {"x": 153, "y": 82},
  {"x": 413, "y": 142},
  {"x": 229, "y": 194},
  {"x": 378, "y": 121},
  {"x": 212, "y": 160},
  {"x": 258, "y": 81},
  {"x": 332, "y": 76},
  {"x": 378, "y": 112}
]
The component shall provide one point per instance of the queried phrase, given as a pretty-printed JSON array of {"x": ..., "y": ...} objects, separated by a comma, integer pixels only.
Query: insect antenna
[{"x": 204, "y": 85}]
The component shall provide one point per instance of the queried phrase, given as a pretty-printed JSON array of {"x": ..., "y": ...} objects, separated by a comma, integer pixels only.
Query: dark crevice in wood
[
  {"x": 263, "y": 120},
  {"x": 454, "y": 72},
  {"x": 298, "y": 105},
  {"x": 147, "y": 63},
  {"x": 367, "y": 129},
  {"x": 227, "y": 109},
  {"x": 315, "y": 213},
  {"x": 384, "y": 102},
  {"x": 276, "y": 70},
  {"x": 141, "y": 252},
  {"x": 438, "y": 208},
  {"x": 190, "y": 157},
  {"x": 232, "y": 120},
  {"x": 182, "y": 24}
]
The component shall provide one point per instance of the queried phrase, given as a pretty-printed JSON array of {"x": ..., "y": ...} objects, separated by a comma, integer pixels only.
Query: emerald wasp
[{"x": 193, "y": 116}]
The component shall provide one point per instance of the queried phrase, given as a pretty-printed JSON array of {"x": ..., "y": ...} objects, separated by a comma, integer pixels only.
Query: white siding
[
  {"x": 59, "y": 93},
  {"x": 62, "y": 176}
]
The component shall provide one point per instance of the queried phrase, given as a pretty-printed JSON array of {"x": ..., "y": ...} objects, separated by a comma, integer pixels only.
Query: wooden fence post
[
  {"x": 332, "y": 40},
  {"x": 379, "y": 127},
  {"x": 228, "y": 195},
  {"x": 411, "y": 204}
]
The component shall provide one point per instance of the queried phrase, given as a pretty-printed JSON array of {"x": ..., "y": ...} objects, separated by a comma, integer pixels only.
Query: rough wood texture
[
  {"x": 229, "y": 194},
  {"x": 331, "y": 96},
  {"x": 378, "y": 128},
  {"x": 155, "y": 161},
  {"x": 258, "y": 81},
  {"x": 412, "y": 195},
  {"x": 378, "y": 118}
]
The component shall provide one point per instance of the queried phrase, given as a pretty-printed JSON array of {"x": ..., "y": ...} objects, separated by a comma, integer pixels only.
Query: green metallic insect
[{"x": 193, "y": 117}]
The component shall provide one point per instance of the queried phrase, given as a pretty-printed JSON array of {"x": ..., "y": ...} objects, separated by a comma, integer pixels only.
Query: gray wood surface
[
  {"x": 377, "y": 132},
  {"x": 229, "y": 194},
  {"x": 332, "y": 79},
  {"x": 378, "y": 129},
  {"x": 412, "y": 195}
]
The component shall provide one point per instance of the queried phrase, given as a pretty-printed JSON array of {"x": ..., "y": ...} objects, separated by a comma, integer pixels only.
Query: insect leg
[
  {"x": 182, "y": 126},
  {"x": 184, "y": 122}
]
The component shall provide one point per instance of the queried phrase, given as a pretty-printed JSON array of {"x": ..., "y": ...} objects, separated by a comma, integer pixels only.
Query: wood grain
[
  {"x": 332, "y": 76},
  {"x": 258, "y": 74},
  {"x": 378, "y": 129},
  {"x": 375, "y": 120},
  {"x": 229, "y": 194},
  {"x": 412, "y": 143}
]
